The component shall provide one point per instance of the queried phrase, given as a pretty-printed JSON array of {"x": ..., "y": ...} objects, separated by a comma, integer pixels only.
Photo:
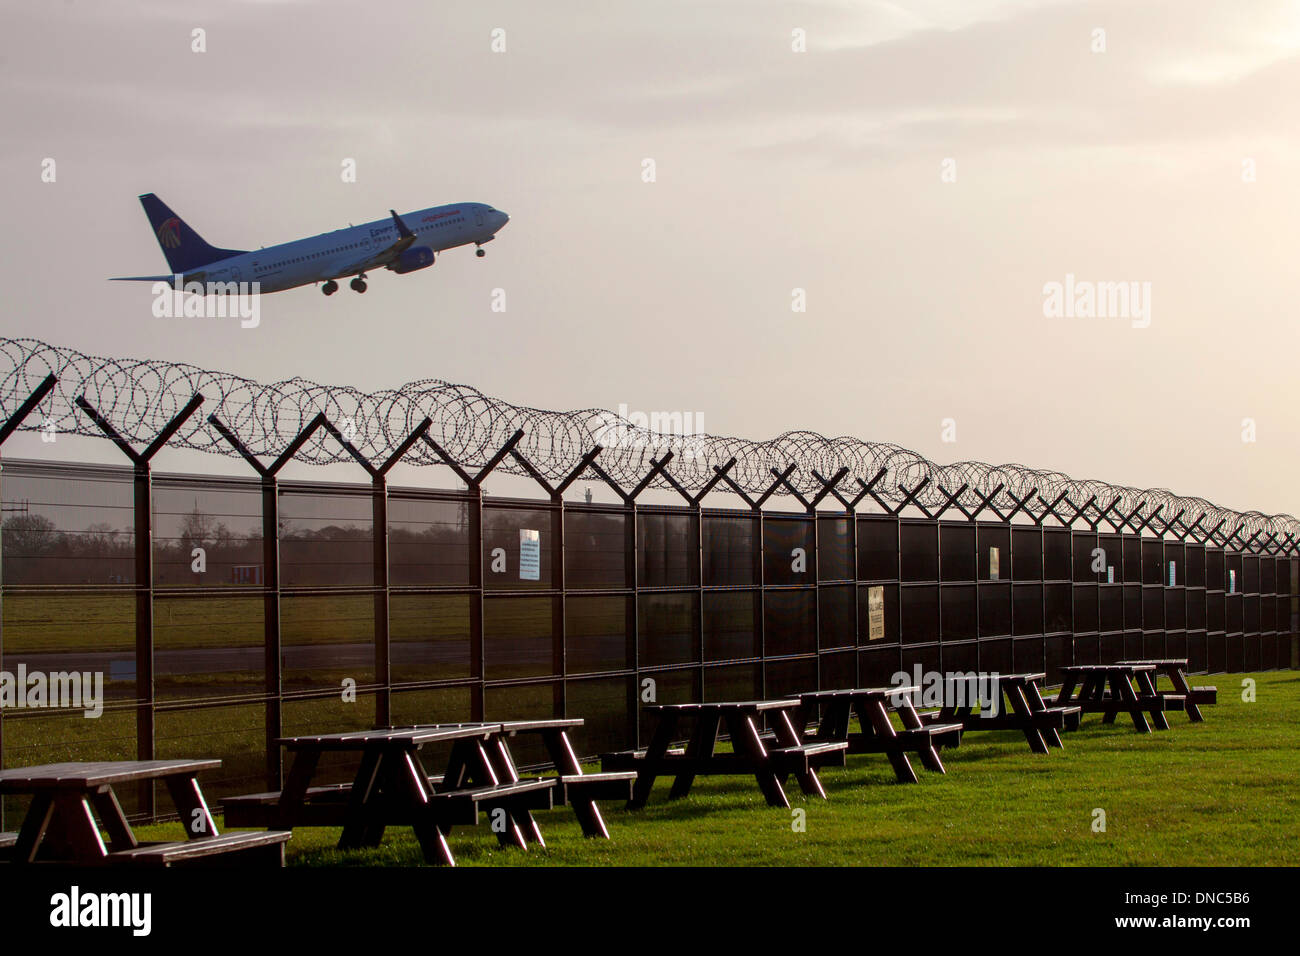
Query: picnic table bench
[
  {"x": 1175, "y": 668},
  {"x": 1091, "y": 680},
  {"x": 768, "y": 765},
  {"x": 576, "y": 789},
  {"x": 1019, "y": 706},
  {"x": 872, "y": 705},
  {"x": 392, "y": 788},
  {"x": 61, "y": 825}
]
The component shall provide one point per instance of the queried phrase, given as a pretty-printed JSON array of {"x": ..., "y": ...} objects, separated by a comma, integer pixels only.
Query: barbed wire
[{"x": 139, "y": 396}]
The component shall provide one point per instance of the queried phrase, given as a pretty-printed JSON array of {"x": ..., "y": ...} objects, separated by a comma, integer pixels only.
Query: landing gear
[
  {"x": 480, "y": 253},
  {"x": 358, "y": 284},
  {"x": 329, "y": 288}
]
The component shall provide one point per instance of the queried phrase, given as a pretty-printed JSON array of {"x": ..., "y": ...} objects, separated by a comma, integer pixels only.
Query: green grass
[
  {"x": 106, "y": 622},
  {"x": 1217, "y": 793}
]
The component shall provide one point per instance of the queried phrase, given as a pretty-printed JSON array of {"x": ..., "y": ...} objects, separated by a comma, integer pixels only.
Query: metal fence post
[
  {"x": 8, "y": 428},
  {"x": 143, "y": 545}
]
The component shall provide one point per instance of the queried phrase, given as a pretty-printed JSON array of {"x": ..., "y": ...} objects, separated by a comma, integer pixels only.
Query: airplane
[{"x": 401, "y": 244}]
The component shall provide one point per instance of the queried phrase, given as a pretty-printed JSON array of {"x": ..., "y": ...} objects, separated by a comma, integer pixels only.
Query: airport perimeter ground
[{"x": 1220, "y": 793}]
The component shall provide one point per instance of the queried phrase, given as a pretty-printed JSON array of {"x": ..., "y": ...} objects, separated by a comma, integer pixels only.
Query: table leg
[
  {"x": 522, "y": 823},
  {"x": 1093, "y": 691},
  {"x": 654, "y": 755},
  {"x": 511, "y": 832},
  {"x": 1181, "y": 686},
  {"x": 788, "y": 736},
  {"x": 566, "y": 763},
  {"x": 363, "y": 801},
  {"x": 39, "y": 814},
  {"x": 295, "y": 789},
  {"x": 561, "y": 751},
  {"x": 1116, "y": 696},
  {"x": 875, "y": 722},
  {"x": 411, "y": 788},
  {"x": 1020, "y": 707},
  {"x": 1097, "y": 695},
  {"x": 457, "y": 770},
  {"x": 1122, "y": 689},
  {"x": 745, "y": 740},
  {"x": 834, "y": 722},
  {"x": 999, "y": 696},
  {"x": 1068, "y": 683},
  {"x": 1037, "y": 705},
  {"x": 535, "y": 830},
  {"x": 701, "y": 748},
  {"x": 387, "y": 794},
  {"x": 807, "y": 713},
  {"x": 483, "y": 767},
  {"x": 193, "y": 808},
  {"x": 529, "y": 822},
  {"x": 110, "y": 813},
  {"x": 811, "y": 711},
  {"x": 1147, "y": 688},
  {"x": 498, "y": 755},
  {"x": 79, "y": 826},
  {"x": 519, "y": 826},
  {"x": 1095, "y": 686},
  {"x": 515, "y": 826},
  {"x": 912, "y": 721}
]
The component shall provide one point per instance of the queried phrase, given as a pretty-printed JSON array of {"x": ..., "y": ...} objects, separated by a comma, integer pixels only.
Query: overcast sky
[{"x": 775, "y": 170}]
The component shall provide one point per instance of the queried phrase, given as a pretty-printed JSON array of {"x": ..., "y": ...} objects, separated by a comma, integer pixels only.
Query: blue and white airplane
[{"x": 401, "y": 244}]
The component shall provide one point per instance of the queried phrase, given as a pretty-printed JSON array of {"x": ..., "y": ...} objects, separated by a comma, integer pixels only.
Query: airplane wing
[
  {"x": 376, "y": 260},
  {"x": 167, "y": 279}
]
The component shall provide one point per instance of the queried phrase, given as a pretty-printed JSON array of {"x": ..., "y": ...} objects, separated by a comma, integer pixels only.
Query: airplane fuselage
[{"x": 333, "y": 255}]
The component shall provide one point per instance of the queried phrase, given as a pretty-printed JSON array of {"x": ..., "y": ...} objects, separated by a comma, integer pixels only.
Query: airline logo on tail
[{"x": 169, "y": 233}]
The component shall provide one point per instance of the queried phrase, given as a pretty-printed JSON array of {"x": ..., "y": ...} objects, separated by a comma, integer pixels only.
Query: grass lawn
[{"x": 1218, "y": 793}]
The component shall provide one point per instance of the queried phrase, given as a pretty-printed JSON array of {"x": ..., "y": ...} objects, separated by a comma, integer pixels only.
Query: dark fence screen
[{"x": 263, "y": 608}]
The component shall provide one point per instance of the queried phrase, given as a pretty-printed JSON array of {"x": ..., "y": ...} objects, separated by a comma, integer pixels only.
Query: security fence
[{"x": 226, "y": 612}]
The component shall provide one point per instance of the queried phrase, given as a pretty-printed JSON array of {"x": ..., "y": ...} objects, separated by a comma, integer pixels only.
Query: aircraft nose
[{"x": 502, "y": 219}]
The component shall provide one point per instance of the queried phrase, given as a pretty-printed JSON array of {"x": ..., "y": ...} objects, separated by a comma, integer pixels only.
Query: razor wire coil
[{"x": 139, "y": 396}]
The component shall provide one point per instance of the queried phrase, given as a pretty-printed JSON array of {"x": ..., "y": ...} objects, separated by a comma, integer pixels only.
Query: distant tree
[
  {"x": 100, "y": 539},
  {"x": 197, "y": 529},
  {"x": 30, "y": 535}
]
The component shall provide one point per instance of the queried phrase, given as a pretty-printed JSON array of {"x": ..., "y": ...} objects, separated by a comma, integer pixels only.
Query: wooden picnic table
[
  {"x": 61, "y": 824},
  {"x": 576, "y": 789},
  {"x": 1091, "y": 680},
  {"x": 392, "y": 788},
  {"x": 768, "y": 765},
  {"x": 878, "y": 734},
  {"x": 1175, "y": 668},
  {"x": 1020, "y": 706}
]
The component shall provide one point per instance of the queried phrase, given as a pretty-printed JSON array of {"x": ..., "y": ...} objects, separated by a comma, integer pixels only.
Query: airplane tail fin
[{"x": 184, "y": 248}]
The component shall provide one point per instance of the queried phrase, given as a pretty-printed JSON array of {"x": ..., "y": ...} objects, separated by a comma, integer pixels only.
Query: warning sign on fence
[
  {"x": 875, "y": 613},
  {"x": 530, "y": 555}
]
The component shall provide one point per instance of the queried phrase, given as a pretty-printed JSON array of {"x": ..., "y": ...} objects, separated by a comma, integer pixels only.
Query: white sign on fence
[
  {"x": 530, "y": 555},
  {"x": 875, "y": 613}
]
